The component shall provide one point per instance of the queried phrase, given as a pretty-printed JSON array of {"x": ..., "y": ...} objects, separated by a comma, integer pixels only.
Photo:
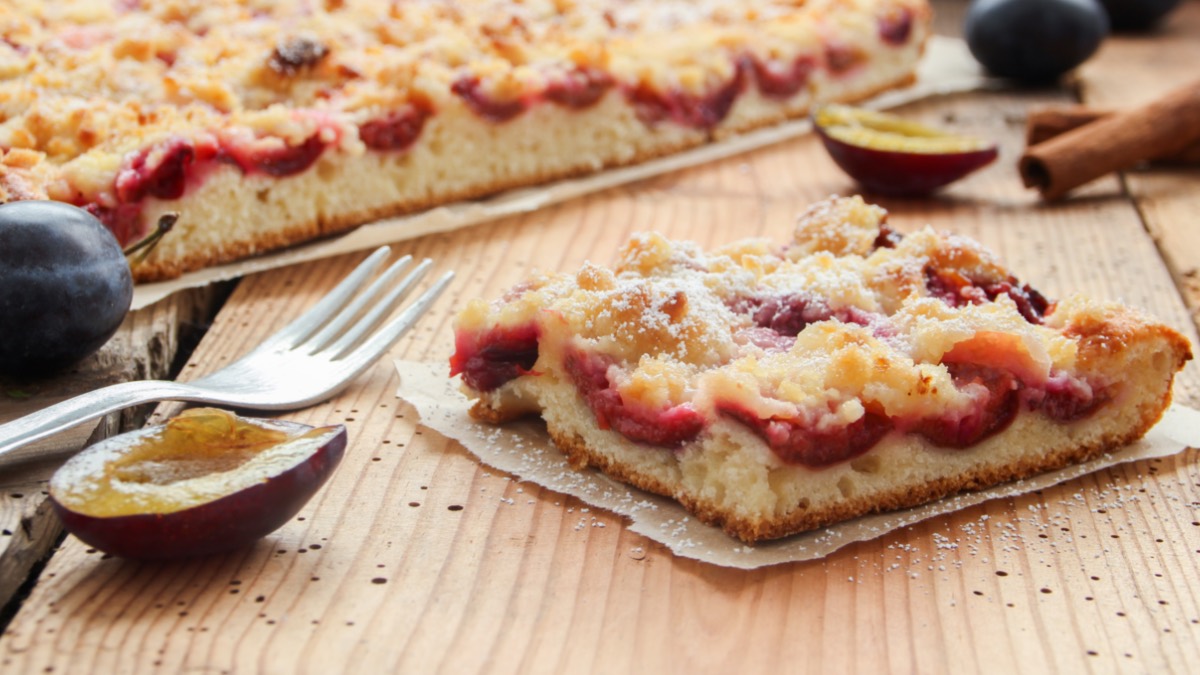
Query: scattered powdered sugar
[{"x": 524, "y": 450}]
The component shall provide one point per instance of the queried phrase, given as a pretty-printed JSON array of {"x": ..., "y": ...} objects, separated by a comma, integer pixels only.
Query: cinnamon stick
[
  {"x": 1120, "y": 140},
  {"x": 1046, "y": 123}
]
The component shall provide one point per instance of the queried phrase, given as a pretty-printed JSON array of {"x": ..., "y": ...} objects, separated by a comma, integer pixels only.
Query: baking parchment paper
[
  {"x": 947, "y": 67},
  {"x": 524, "y": 449}
]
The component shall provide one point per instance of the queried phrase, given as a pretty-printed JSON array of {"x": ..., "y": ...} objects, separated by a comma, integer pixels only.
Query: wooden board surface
[
  {"x": 415, "y": 558},
  {"x": 1166, "y": 197}
]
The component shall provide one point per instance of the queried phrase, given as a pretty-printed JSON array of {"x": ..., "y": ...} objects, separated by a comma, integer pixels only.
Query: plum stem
[{"x": 146, "y": 245}]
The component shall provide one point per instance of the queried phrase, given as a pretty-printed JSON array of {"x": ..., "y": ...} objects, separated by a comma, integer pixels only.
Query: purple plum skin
[
  {"x": 1034, "y": 41},
  {"x": 228, "y": 523},
  {"x": 66, "y": 286},
  {"x": 904, "y": 174}
]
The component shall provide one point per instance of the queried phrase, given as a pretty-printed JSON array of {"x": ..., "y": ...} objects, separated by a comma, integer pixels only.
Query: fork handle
[{"x": 16, "y": 435}]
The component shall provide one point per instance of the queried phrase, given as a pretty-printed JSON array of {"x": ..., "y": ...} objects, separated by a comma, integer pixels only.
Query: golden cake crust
[{"x": 774, "y": 390}]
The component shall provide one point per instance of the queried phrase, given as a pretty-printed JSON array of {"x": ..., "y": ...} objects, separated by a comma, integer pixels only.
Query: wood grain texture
[
  {"x": 417, "y": 559},
  {"x": 1166, "y": 196}
]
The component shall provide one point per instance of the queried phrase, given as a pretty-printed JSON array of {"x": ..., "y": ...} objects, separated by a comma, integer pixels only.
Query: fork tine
[
  {"x": 304, "y": 325},
  {"x": 338, "y": 323},
  {"x": 365, "y": 354},
  {"x": 380, "y": 311}
]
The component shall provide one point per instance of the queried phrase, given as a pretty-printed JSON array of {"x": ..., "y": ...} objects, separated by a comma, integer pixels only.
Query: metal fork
[{"x": 307, "y": 362}]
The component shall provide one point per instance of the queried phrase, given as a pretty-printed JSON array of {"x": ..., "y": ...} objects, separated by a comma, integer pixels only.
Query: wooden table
[{"x": 415, "y": 558}]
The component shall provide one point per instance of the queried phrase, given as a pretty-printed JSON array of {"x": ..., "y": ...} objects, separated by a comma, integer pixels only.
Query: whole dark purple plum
[
  {"x": 65, "y": 286},
  {"x": 1034, "y": 41}
]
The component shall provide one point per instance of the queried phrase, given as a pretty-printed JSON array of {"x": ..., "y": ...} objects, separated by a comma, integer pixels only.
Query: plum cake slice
[{"x": 776, "y": 389}]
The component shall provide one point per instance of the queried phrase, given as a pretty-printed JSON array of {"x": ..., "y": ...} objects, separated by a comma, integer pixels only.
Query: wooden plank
[
  {"x": 1135, "y": 68},
  {"x": 385, "y": 572}
]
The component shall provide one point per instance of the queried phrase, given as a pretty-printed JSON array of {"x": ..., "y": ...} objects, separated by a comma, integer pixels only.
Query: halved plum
[
  {"x": 205, "y": 482},
  {"x": 890, "y": 155}
]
